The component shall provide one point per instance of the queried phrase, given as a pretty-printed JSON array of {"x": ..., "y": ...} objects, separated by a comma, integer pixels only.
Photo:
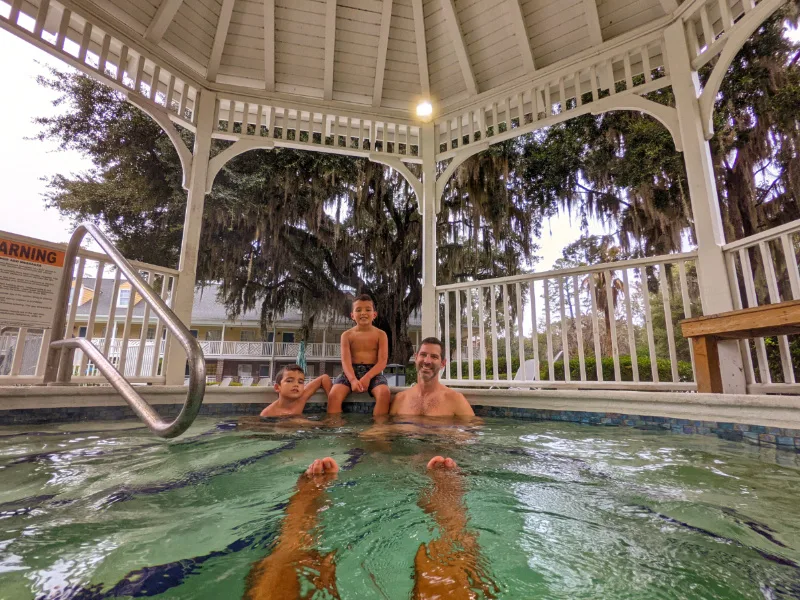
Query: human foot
[
  {"x": 440, "y": 462},
  {"x": 323, "y": 466}
]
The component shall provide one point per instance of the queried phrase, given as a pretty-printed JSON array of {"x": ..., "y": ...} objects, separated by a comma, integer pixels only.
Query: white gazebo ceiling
[{"x": 371, "y": 53}]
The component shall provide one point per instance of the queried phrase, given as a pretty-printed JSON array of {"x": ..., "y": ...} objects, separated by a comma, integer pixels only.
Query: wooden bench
[{"x": 704, "y": 332}]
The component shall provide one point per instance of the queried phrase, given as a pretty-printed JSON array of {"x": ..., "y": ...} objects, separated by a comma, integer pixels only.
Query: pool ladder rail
[{"x": 58, "y": 368}]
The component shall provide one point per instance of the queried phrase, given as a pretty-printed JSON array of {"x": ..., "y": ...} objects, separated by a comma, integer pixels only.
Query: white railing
[
  {"x": 127, "y": 324},
  {"x": 708, "y": 24},
  {"x": 762, "y": 269},
  {"x": 264, "y": 349},
  {"x": 557, "y": 324}
]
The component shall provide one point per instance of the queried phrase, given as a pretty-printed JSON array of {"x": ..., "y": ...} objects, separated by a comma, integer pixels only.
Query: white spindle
[
  {"x": 481, "y": 333},
  {"x": 598, "y": 353},
  {"x": 19, "y": 351},
  {"x": 774, "y": 298},
  {"x": 752, "y": 301},
  {"x": 137, "y": 86},
  {"x": 648, "y": 74},
  {"x": 548, "y": 101},
  {"x": 98, "y": 288},
  {"x": 76, "y": 296},
  {"x": 41, "y": 17},
  {"x": 495, "y": 362},
  {"x": 708, "y": 32},
  {"x": 744, "y": 345},
  {"x": 495, "y": 124},
  {"x": 62, "y": 29},
  {"x": 612, "y": 323},
  {"x": 447, "y": 334},
  {"x": 154, "y": 83},
  {"x": 506, "y": 323},
  {"x": 271, "y": 124},
  {"x": 663, "y": 284},
  {"x": 13, "y": 15},
  {"x": 126, "y": 332},
  {"x": 111, "y": 326},
  {"x": 694, "y": 39},
  {"x": 593, "y": 81},
  {"x": 577, "y": 85},
  {"x": 232, "y": 117},
  {"x": 123, "y": 64},
  {"x": 648, "y": 319},
  {"x": 170, "y": 96},
  {"x": 458, "y": 331},
  {"x": 470, "y": 349},
  {"x": 534, "y": 332},
  {"x": 562, "y": 96},
  {"x": 687, "y": 303},
  {"x": 629, "y": 324},
  {"x": 165, "y": 289},
  {"x": 137, "y": 372},
  {"x": 520, "y": 329},
  {"x": 548, "y": 332},
  {"x": 725, "y": 14},
  {"x": 791, "y": 265},
  {"x": 626, "y": 61},
  {"x": 184, "y": 100},
  {"x": 579, "y": 327},
  {"x": 564, "y": 328}
]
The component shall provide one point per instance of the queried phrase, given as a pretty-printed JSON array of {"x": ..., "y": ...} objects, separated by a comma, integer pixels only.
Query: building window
[
  {"x": 247, "y": 335},
  {"x": 263, "y": 370},
  {"x": 194, "y": 333},
  {"x": 213, "y": 335},
  {"x": 124, "y": 298},
  {"x": 82, "y": 331},
  {"x": 151, "y": 333},
  {"x": 245, "y": 370},
  {"x": 288, "y": 337},
  {"x": 271, "y": 336}
]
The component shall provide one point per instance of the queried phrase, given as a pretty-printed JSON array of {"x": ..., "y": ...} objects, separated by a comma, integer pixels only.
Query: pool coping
[{"x": 761, "y": 419}]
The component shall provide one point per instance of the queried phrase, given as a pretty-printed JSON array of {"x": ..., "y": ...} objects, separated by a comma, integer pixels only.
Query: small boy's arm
[
  {"x": 383, "y": 357},
  {"x": 312, "y": 387},
  {"x": 347, "y": 364}
]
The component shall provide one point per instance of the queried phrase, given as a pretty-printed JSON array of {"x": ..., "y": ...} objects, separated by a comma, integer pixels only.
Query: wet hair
[
  {"x": 287, "y": 369},
  {"x": 363, "y": 298},
  {"x": 433, "y": 340}
]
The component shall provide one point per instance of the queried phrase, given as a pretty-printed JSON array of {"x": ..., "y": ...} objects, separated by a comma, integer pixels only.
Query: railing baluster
[
  {"x": 744, "y": 345},
  {"x": 159, "y": 328},
  {"x": 507, "y": 324},
  {"x": 19, "y": 351},
  {"x": 534, "y": 332},
  {"x": 752, "y": 301},
  {"x": 143, "y": 333},
  {"x": 458, "y": 331},
  {"x": 447, "y": 334},
  {"x": 629, "y": 326},
  {"x": 126, "y": 334},
  {"x": 495, "y": 361},
  {"x": 470, "y": 349},
  {"x": 520, "y": 327},
  {"x": 665, "y": 297},
  {"x": 598, "y": 353},
  {"x": 481, "y": 333},
  {"x": 612, "y": 323},
  {"x": 648, "y": 318},
  {"x": 93, "y": 313},
  {"x": 564, "y": 329},
  {"x": 62, "y": 29},
  {"x": 579, "y": 327},
  {"x": 687, "y": 304},
  {"x": 774, "y": 298},
  {"x": 791, "y": 265},
  {"x": 41, "y": 17},
  {"x": 708, "y": 32},
  {"x": 548, "y": 332}
]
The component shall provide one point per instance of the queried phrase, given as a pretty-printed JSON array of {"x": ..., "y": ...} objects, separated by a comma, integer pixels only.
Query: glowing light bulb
[{"x": 424, "y": 109}]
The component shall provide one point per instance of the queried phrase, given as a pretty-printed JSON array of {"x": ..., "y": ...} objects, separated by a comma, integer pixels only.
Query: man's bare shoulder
[{"x": 459, "y": 402}]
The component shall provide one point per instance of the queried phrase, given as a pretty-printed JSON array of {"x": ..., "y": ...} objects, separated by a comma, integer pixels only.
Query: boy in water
[
  {"x": 292, "y": 391},
  {"x": 365, "y": 350}
]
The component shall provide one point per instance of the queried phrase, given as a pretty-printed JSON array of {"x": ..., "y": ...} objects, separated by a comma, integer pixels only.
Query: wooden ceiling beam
[
  {"x": 269, "y": 45},
  {"x": 454, "y": 31},
  {"x": 383, "y": 46},
  {"x": 521, "y": 34},
  {"x": 330, "y": 49},
  {"x": 219, "y": 39},
  {"x": 593, "y": 22},
  {"x": 422, "y": 48},
  {"x": 164, "y": 15}
]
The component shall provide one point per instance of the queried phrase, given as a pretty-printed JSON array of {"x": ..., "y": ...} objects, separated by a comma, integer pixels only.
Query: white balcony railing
[
  {"x": 264, "y": 349},
  {"x": 762, "y": 269},
  {"x": 608, "y": 325}
]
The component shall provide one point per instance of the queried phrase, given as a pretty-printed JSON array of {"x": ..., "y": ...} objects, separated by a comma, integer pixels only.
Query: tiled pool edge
[{"x": 772, "y": 421}]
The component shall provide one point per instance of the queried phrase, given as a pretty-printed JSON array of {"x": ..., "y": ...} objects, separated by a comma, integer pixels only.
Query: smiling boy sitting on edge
[
  {"x": 293, "y": 392},
  {"x": 365, "y": 350}
]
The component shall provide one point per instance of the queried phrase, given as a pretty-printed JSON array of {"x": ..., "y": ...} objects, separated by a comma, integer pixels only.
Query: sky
[{"x": 26, "y": 164}]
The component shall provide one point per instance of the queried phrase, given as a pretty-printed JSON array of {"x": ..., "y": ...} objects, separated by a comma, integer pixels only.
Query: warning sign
[{"x": 29, "y": 278}]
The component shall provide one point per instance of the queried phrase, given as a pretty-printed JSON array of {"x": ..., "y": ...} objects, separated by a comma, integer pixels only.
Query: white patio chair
[
  {"x": 246, "y": 381},
  {"x": 264, "y": 382},
  {"x": 226, "y": 381}
]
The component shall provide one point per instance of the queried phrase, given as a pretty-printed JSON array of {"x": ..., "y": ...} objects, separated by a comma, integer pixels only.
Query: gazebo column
[
  {"x": 715, "y": 292},
  {"x": 428, "y": 204},
  {"x": 192, "y": 224}
]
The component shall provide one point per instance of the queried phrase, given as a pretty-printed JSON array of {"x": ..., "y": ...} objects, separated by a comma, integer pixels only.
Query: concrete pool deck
[{"x": 760, "y": 419}]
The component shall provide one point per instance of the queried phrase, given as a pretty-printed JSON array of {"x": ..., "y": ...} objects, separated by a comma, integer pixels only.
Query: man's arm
[
  {"x": 383, "y": 358},
  {"x": 461, "y": 406},
  {"x": 347, "y": 364}
]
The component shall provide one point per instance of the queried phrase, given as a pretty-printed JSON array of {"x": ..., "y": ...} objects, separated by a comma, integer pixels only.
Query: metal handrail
[{"x": 57, "y": 356}]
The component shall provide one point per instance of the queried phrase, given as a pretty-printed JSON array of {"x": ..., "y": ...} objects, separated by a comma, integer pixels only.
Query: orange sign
[{"x": 31, "y": 253}]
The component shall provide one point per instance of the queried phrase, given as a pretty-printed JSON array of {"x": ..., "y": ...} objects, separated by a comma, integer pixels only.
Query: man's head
[
  {"x": 363, "y": 310},
  {"x": 290, "y": 382},
  {"x": 429, "y": 359}
]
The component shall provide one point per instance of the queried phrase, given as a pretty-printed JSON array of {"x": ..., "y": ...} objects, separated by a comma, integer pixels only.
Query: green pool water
[{"x": 105, "y": 510}]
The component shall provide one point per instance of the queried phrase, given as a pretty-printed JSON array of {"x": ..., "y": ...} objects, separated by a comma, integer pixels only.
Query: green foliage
[{"x": 625, "y": 364}]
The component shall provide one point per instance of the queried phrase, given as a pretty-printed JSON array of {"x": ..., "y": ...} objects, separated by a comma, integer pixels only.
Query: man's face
[
  {"x": 429, "y": 361},
  {"x": 363, "y": 312},
  {"x": 292, "y": 385}
]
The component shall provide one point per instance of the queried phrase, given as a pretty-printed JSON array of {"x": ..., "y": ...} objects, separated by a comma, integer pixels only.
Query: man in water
[{"x": 429, "y": 397}]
